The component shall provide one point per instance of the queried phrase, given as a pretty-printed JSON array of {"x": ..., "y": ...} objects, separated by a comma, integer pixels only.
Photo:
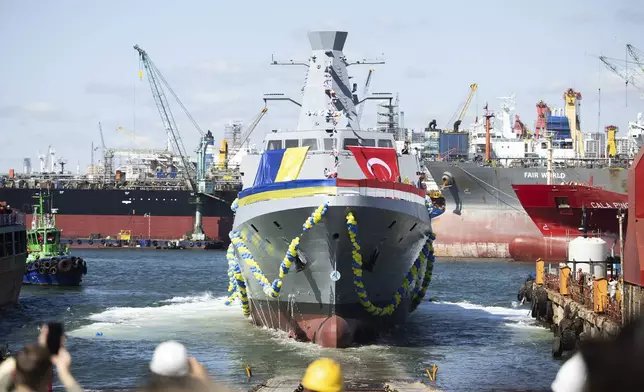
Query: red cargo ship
[{"x": 569, "y": 210}]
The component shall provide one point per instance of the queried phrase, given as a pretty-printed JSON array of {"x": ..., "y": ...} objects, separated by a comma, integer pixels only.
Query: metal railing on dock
[{"x": 595, "y": 296}]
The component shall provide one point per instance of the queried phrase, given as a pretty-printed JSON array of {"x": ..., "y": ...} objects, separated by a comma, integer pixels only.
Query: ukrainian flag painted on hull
[{"x": 280, "y": 165}]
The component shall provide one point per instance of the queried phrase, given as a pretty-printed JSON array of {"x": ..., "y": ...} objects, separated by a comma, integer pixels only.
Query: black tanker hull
[{"x": 155, "y": 214}]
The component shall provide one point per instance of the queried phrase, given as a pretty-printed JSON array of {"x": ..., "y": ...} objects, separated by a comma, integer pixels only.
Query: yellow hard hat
[{"x": 323, "y": 375}]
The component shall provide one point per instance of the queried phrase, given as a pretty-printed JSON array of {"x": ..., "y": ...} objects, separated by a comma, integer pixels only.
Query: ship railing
[
  {"x": 582, "y": 293},
  {"x": 560, "y": 163},
  {"x": 14, "y": 218}
]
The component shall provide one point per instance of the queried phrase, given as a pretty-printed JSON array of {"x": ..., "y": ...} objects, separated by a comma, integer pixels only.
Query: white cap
[
  {"x": 170, "y": 359},
  {"x": 571, "y": 376}
]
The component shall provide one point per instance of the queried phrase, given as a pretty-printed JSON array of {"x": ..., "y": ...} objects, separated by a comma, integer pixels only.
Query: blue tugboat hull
[{"x": 55, "y": 271}]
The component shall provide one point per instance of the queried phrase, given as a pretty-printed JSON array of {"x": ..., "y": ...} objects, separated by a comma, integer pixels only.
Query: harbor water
[{"x": 131, "y": 300}]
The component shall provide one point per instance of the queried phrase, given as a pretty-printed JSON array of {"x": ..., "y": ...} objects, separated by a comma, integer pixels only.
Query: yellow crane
[
  {"x": 463, "y": 110},
  {"x": 611, "y": 145}
]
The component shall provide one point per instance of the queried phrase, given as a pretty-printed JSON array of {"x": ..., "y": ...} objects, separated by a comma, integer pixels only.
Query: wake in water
[
  {"x": 514, "y": 316},
  {"x": 178, "y": 315}
]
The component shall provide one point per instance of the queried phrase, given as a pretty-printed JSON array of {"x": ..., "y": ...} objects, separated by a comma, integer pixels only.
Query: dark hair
[
  {"x": 616, "y": 365},
  {"x": 33, "y": 365}
]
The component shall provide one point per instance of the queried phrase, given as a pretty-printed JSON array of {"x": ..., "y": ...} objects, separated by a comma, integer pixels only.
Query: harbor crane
[
  {"x": 637, "y": 55},
  {"x": 108, "y": 156},
  {"x": 155, "y": 78},
  {"x": 246, "y": 135},
  {"x": 195, "y": 177},
  {"x": 463, "y": 109},
  {"x": 633, "y": 75}
]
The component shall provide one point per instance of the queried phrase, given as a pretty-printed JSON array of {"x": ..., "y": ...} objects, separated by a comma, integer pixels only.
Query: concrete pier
[{"x": 594, "y": 325}]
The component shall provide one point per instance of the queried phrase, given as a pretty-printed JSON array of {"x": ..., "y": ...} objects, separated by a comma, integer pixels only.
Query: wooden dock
[{"x": 291, "y": 385}]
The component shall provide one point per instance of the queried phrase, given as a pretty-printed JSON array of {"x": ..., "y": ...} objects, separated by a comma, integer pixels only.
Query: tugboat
[{"x": 49, "y": 263}]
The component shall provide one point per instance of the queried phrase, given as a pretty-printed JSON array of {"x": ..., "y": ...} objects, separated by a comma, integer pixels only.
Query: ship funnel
[{"x": 327, "y": 40}]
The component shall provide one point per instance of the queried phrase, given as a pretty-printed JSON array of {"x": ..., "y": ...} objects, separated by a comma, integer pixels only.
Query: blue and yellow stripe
[{"x": 287, "y": 190}]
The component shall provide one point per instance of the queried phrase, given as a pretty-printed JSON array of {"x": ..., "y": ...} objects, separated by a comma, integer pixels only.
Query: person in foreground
[
  {"x": 172, "y": 369},
  {"x": 31, "y": 370},
  {"x": 323, "y": 375},
  {"x": 605, "y": 365}
]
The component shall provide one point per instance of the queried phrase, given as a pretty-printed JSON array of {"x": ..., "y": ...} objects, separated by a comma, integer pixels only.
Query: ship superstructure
[{"x": 332, "y": 237}]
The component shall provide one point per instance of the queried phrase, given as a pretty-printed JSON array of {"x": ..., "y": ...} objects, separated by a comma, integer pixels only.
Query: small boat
[{"x": 49, "y": 263}]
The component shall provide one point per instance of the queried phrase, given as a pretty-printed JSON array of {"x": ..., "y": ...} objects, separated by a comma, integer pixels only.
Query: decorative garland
[
  {"x": 412, "y": 281},
  {"x": 425, "y": 260},
  {"x": 237, "y": 285},
  {"x": 273, "y": 289}
]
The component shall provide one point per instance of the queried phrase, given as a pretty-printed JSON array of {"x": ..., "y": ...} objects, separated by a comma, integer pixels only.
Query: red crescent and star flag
[{"x": 377, "y": 163}]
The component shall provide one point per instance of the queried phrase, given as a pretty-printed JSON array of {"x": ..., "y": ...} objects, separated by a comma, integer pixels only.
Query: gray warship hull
[
  {"x": 485, "y": 219},
  {"x": 314, "y": 305},
  {"x": 330, "y": 290}
]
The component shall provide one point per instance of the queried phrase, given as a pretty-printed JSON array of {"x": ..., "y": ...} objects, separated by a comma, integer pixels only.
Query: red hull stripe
[{"x": 397, "y": 186}]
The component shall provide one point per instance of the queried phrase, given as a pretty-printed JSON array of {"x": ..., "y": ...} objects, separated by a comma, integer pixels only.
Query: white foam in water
[
  {"x": 515, "y": 317},
  {"x": 175, "y": 315}
]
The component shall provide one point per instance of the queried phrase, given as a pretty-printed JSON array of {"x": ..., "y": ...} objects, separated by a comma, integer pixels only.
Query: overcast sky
[{"x": 66, "y": 65}]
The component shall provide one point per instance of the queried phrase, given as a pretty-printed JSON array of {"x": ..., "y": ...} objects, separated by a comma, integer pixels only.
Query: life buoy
[
  {"x": 46, "y": 264},
  {"x": 79, "y": 242},
  {"x": 42, "y": 270},
  {"x": 65, "y": 265},
  {"x": 91, "y": 242},
  {"x": 103, "y": 242},
  {"x": 36, "y": 265},
  {"x": 70, "y": 242},
  {"x": 53, "y": 271},
  {"x": 199, "y": 244},
  {"x": 192, "y": 244}
]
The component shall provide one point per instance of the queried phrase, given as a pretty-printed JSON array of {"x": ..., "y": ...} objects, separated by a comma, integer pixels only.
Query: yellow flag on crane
[{"x": 141, "y": 74}]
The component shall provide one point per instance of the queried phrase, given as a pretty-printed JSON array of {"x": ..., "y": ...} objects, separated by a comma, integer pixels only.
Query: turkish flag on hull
[{"x": 377, "y": 163}]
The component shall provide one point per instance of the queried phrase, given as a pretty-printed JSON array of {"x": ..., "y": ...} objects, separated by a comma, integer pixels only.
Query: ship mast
[
  {"x": 488, "y": 147},
  {"x": 549, "y": 171}
]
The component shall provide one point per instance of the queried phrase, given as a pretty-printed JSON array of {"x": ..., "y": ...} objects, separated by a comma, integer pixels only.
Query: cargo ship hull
[
  {"x": 101, "y": 213},
  {"x": 561, "y": 210},
  {"x": 484, "y": 217}
]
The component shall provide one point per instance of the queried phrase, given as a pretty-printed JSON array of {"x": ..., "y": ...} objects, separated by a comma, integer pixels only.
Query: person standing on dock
[{"x": 612, "y": 283}]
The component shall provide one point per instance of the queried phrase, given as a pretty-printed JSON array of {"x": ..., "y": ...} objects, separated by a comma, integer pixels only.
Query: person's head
[
  {"x": 323, "y": 375},
  {"x": 172, "y": 370},
  {"x": 33, "y": 368},
  {"x": 606, "y": 365},
  {"x": 170, "y": 359}
]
